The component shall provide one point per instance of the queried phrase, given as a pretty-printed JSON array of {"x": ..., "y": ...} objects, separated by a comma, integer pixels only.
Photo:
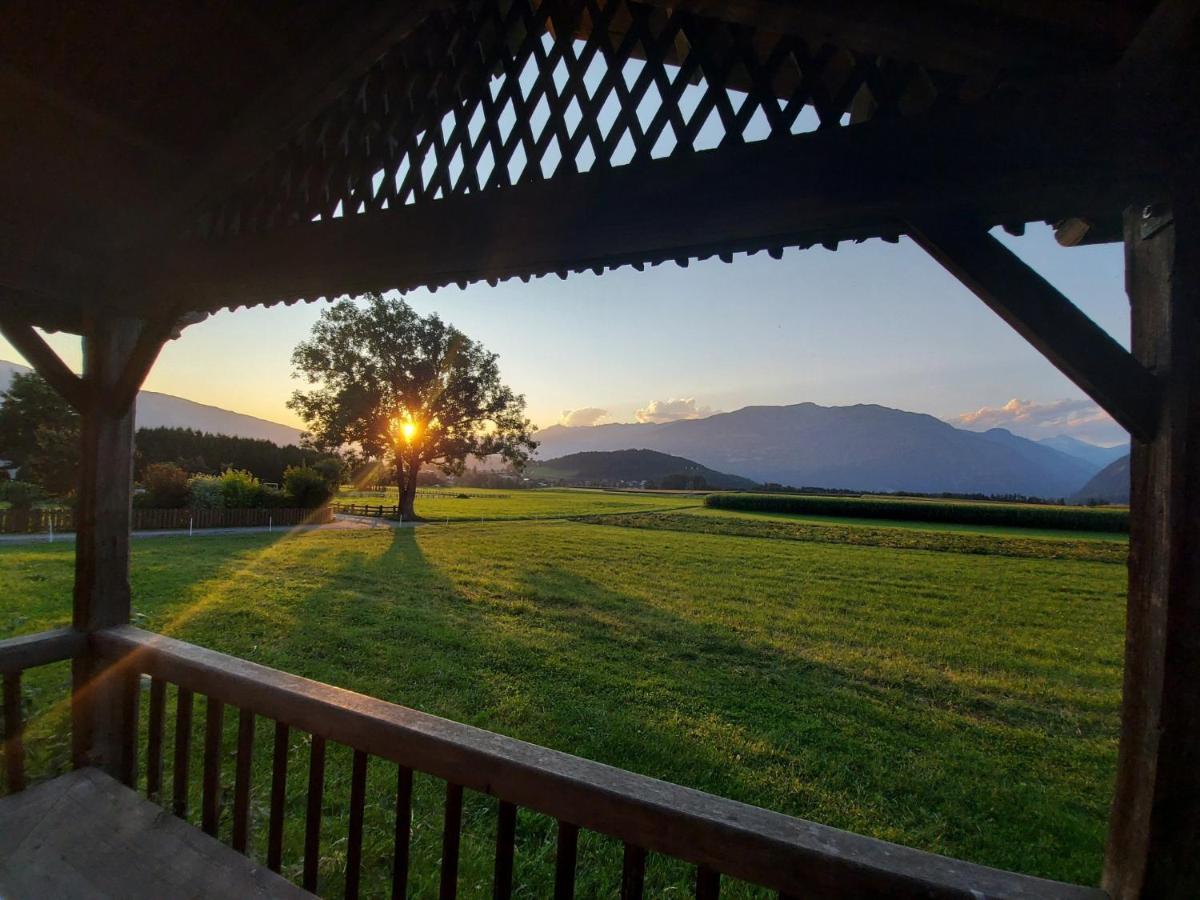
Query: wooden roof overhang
[{"x": 164, "y": 161}]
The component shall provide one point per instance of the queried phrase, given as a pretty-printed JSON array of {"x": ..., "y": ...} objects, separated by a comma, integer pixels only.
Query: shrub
[
  {"x": 1071, "y": 518},
  {"x": 21, "y": 494},
  {"x": 166, "y": 486},
  {"x": 204, "y": 492},
  {"x": 240, "y": 489},
  {"x": 307, "y": 486},
  {"x": 330, "y": 468},
  {"x": 274, "y": 498}
]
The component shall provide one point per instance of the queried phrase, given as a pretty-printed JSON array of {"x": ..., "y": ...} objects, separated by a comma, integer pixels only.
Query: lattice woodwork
[{"x": 494, "y": 93}]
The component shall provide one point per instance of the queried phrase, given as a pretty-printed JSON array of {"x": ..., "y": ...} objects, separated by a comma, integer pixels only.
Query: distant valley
[{"x": 863, "y": 447}]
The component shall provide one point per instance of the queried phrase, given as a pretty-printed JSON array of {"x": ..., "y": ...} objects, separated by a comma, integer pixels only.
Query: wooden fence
[
  {"x": 377, "y": 511},
  {"x": 40, "y": 521}
]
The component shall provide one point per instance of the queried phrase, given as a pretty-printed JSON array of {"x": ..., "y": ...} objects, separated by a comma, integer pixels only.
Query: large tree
[
  {"x": 408, "y": 389},
  {"x": 39, "y": 432}
]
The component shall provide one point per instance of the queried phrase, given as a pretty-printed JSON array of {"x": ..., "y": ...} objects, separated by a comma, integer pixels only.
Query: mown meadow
[
  {"x": 896, "y": 682},
  {"x": 492, "y": 504}
]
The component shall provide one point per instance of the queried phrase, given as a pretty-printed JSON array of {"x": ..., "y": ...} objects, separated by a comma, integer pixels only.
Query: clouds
[
  {"x": 584, "y": 416},
  {"x": 1081, "y": 418},
  {"x": 660, "y": 411}
]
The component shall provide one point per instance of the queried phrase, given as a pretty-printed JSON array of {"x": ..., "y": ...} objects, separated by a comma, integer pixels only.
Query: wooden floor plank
[{"x": 86, "y": 835}]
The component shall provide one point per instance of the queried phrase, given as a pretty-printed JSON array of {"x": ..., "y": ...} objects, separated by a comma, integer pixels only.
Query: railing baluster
[
  {"x": 214, "y": 725},
  {"x": 183, "y": 751},
  {"x": 708, "y": 883},
  {"x": 564, "y": 862},
  {"x": 278, "y": 797},
  {"x": 312, "y": 821},
  {"x": 506, "y": 833},
  {"x": 633, "y": 873},
  {"x": 404, "y": 780},
  {"x": 241, "y": 781},
  {"x": 451, "y": 835},
  {"x": 131, "y": 695},
  {"x": 154, "y": 748},
  {"x": 14, "y": 727},
  {"x": 358, "y": 799}
]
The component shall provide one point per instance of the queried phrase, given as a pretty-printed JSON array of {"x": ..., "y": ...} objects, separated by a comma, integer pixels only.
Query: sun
[{"x": 408, "y": 430}]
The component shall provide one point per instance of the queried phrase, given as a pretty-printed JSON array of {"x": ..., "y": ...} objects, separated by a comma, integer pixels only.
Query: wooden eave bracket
[
  {"x": 45, "y": 361},
  {"x": 151, "y": 340},
  {"x": 1040, "y": 313}
]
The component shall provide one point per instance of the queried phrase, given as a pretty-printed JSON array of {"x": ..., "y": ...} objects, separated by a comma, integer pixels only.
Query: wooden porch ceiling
[{"x": 114, "y": 138}]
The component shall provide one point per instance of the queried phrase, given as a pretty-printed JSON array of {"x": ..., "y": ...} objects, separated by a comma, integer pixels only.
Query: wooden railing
[
  {"x": 16, "y": 656},
  {"x": 722, "y": 839}
]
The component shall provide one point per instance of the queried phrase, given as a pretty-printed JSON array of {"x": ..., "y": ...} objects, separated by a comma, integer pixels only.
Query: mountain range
[
  {"x": 863, "y": 447},
  {"x": 1109, "y": 485},
  {"x": 155, "y": 410},
  {"x": 611, "y": 466}
]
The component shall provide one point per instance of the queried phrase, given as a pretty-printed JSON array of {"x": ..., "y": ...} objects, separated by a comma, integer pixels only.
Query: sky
[{"x": 871, "y": 323}]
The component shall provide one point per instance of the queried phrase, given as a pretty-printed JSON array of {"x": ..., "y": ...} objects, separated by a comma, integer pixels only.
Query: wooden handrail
[
  {"x": 16, "y": 655},
  {"x": 780, "y": 852},
  {"x": 43, "y": 648}
]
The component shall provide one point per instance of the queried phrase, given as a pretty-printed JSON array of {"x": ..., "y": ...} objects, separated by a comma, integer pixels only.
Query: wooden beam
[
  {"x": 1048, "y": 156},
  {"x": 44, "y": 360},
  {"x": 277, "y": 114},
  {"x": 1154, "y": 825},
  {"x": 1161, "y": 45},
  {"x": 103, "y": 711},
  {"x": 1059, "y": 330},
  {"x": 951, "y": 37}
]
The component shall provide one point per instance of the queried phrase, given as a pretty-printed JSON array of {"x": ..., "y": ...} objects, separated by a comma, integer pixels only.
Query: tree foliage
[
  {"x": 166, "y": 486},
  {"x": 307, "y": 486},
  {"x": 210, "y": 454},
  {"x": 39, "y": 432},
  {"x": 408, "y": 388}
]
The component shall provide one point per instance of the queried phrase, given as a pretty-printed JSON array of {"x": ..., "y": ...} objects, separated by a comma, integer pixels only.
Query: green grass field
[
  {"x": 961, "y": 702},
  {"x": 475, "y": 504}
]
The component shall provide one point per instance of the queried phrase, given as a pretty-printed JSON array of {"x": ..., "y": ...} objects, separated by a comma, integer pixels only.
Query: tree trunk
[{"x": 408, "y": 490}]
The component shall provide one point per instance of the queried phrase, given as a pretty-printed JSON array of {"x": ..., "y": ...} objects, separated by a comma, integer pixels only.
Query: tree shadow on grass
[{"x": 547, "y": 655}]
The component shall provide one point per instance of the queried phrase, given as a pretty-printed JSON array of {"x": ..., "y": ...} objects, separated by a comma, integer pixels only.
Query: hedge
[{"x": 1069, "y": 518}]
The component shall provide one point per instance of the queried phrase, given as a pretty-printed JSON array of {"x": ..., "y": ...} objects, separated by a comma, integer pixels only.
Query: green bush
[
  {"x": 240, "y": 489},
  {"x": 166, "y": 486},
  {"x": 308, "y": 487},
  {"x": 21, "y": 494},
  {"x": 204, "y": 492},
  {"x": 330, "y": 468},
  {"x": 274, "y": 498},
  {"x": 1070, "y": 518}
]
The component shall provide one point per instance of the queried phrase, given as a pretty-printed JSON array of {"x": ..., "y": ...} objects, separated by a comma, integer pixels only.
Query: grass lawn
[
  {"x": 475, "y": 504},
  {"x": 957, "y": 702},
  {"x": 1003, "y": 541},
  {"x": 1057, "y": 534}
]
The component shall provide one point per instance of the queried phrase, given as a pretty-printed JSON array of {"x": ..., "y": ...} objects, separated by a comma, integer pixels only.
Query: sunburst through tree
[{"x": 406, "y": 388}]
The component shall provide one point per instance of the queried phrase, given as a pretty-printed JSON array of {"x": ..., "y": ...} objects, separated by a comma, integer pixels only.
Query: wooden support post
[
  {"x": 1154, "y": 827},
  {"x": 104, "y": 702}
]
